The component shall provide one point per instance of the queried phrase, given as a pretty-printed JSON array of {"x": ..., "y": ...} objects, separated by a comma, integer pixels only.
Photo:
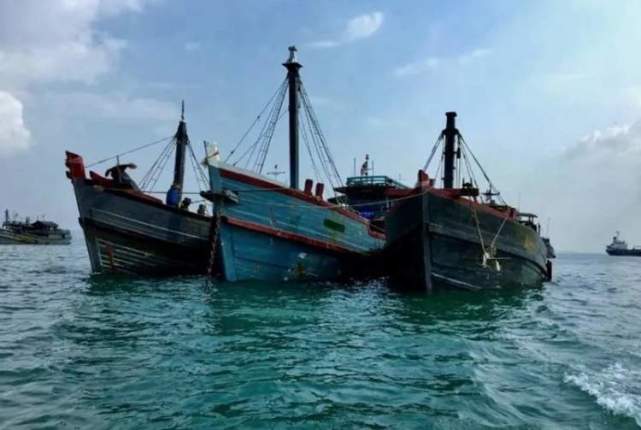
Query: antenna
[
  {"x": 182, "y": 110},
  {"x": 275, "y": 173},
  {"x": 547, "y": 233}
]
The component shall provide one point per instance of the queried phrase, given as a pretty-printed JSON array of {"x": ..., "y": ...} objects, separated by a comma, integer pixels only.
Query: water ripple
[{"x": 102, "y": 351}]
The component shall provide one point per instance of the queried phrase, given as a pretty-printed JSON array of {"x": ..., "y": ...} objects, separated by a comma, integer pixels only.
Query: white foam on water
[{"x": 615, "y": 388}]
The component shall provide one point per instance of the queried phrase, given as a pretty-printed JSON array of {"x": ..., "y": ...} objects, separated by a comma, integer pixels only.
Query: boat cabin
[
  {"x": 529, "y": 220},
  {"x": 369, "y": 195}
]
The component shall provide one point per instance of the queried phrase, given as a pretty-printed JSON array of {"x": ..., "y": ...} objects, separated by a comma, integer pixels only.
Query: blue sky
[{"x": 548, "y": 92}]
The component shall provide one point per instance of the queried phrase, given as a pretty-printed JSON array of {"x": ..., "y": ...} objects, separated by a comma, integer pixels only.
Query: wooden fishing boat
[
  {"x": 452, "y": 236},
  {"x": 130, "y": 231},
  {"x": 39, "y": 232},
  {"x": 266, "y": 230}
]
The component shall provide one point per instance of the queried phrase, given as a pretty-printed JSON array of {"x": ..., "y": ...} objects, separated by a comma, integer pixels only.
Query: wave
[{"x": 613, "y": 388}]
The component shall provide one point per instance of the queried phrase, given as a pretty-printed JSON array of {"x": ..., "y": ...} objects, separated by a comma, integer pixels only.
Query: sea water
[{"x": 83, "y": 351}]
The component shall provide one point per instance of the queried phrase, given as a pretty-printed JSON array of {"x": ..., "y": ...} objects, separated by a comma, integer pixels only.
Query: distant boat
[
  {"x": 619, "y": 247},
  {"x": 127, "y": 230},
  {"x": 40, "y": 232},
  {"x": 452, "y": 236},
  {"x": 270, "y": 231}
]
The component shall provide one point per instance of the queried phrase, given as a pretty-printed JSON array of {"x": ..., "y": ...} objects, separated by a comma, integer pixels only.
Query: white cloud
[
  {"x": 431, "y": 63},
  {"x": 14, "y": 136},
  {"x": 67, "y": 62},
  {"x": 359, "y": 27},
  {"x": 363, "y": 26},
  {"x": 616, "y": 140},
  {"x": 58, "y": 42},
  {"x": 112, "y": 106},
  {"x": 473, "y": 55},
  {"x": 52, "y": 41},
  {"x": 417, "y": 67}
]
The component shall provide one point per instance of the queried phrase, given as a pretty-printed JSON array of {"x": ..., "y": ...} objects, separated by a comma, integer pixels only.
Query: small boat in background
[
  {"x": 128, "y": 230},
  {"x": 619, "y": 247},
  {"x": 40, "y": 232},
  {"x": 266, "y": 230},
  {"x": 452, "y": 236}
]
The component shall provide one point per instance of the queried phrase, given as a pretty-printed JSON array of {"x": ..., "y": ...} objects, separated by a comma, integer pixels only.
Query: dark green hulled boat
[
  {"x": 453, "y": 236},
  {"x": 40, "y": 232}
]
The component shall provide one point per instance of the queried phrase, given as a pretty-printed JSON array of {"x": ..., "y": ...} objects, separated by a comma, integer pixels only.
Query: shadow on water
[{"x": 441, "y": 304}]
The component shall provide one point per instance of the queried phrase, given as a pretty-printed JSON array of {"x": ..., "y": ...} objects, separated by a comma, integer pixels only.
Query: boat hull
[
  {"x": 624, "y": 252},
  {"x": 125, "y": 233},
  {"x": 10, "y": 238},
  {"x": 272, "y": 233},
  {"x": 435, "y": 241}
]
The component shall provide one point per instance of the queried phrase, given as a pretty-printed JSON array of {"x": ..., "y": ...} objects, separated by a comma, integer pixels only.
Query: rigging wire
[
  {"x": 198, "y": 171},
  {"x": 147, "y": 145},
  {"x": 325, "y": 155},
  {"x": 306, "y": 139},
  {"x": 487, "y": 178},
  {"x": 167, "y": 150},
  {"x": 161, "y": 168},
  {"x": 434, "y": 148},
  {"x": 248, "y": 155},
  {"x": 440, "y": 164},
  {"x": 316, "y": 149},
  {"x": 272, "y": 121},
  {"x": 269, "y": 102},
  {"x": 260, "y": 142},
  {"x": 469, "y": 169}
]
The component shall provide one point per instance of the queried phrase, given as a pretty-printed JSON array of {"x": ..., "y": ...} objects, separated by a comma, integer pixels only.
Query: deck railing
[{"x": 379, "y": 180}]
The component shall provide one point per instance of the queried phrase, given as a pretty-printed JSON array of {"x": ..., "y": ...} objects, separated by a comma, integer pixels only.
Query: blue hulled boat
[{"x": 266, "y": 230}]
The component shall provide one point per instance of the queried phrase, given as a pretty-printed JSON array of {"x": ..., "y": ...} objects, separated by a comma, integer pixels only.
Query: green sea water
[{"x": 82, "y": 351}]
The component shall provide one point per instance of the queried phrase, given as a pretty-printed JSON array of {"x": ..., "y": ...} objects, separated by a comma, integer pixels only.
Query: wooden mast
[{"x": 293, "y": 79}]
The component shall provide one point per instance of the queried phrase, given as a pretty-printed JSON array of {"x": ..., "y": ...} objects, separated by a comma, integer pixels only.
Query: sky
[{"x": 548, "y": 93}]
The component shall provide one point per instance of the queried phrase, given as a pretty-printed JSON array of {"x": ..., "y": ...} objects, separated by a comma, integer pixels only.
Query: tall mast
[
  {"x": 293, "y": 80},
  {"x": 449, "y": 151},
  {"x": 174, "y": 195}
]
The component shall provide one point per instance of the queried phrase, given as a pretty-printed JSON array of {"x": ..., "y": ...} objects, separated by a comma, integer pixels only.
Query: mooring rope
[{"x": 491, "y": 253}]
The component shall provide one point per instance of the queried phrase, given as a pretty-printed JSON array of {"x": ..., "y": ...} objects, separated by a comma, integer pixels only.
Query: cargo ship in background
[
  {"x": 619, "y": 247},
  {"x": 452, "y": 236},
  {"x": 129, "y": 230},
  {"x": 40, "y": 232}
]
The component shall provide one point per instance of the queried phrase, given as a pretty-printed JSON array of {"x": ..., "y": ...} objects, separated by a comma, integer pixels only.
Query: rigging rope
[
  {"x": 160, "y": 168},
  {"x": 469, "y": 169},
  {"x": 147, "y": 145},
  {"x": 434, "y": 148},
  {"x": 488, "y": 253},
  {"x": 269, "y": 102},
  {"x": 324, "y": 153},
  {"x": 272, "y": 120},
  {"x": 153, "y": 170},
  {"x": 487, "y": 178},
  {"x": 309, "y": 151},
  {"x": 201, "y": 178},
  {"x": 317, "y": 149}
]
